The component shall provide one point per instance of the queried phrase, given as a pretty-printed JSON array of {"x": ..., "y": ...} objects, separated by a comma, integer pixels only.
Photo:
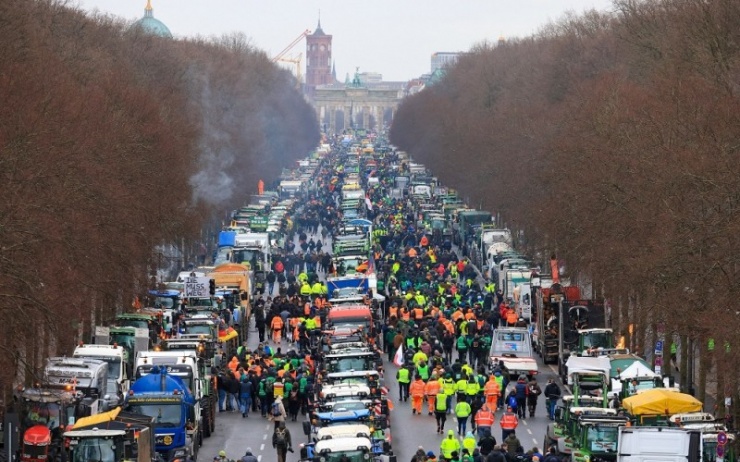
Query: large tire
[
  {"x": 214, "y": 405},
  {"x": 205, "y": 424}
]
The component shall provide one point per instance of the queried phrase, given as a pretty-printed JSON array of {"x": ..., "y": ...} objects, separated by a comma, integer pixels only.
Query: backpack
[
  {"x": 280, "y": 438},
  {"x": 276, "y": 410}
]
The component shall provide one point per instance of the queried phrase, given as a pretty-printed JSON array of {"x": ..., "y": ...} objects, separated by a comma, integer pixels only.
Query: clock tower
[{"x": 318, "y": 60}]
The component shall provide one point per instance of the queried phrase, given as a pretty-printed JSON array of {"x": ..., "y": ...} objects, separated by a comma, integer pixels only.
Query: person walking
[
  {"x": 521, "y": 390},
  {"x": 484, "y": 420},
  {"x": 282, "y": 442},
  {"x": 417, "y": 395},
  {"x": 248, "y": 456},
  {"x": 449, "y": 445},
  {"x": 245, "y": 395},
  {"x": 508, "y": 423},
  {"x": 552, "y": 393},
  {"x": 513, "y": 445},
  {"x": 534, "y": 391},
  {"x": 492, "y": 391},
  {"x": 440, "y": 410},
  {"x": 277, "y": 325},
  {"x": 462, "y": 412},
  {"x": 277, "y": 411},
  {"x": 404, "y": 381},
  {"x": 431, "y": 389}
]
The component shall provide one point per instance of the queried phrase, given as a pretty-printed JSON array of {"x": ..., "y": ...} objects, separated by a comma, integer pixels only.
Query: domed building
[{"x": 150, "y": 25}]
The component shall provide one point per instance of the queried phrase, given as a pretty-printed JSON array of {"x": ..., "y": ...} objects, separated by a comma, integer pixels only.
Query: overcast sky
[{"x": 393, "y": 37}]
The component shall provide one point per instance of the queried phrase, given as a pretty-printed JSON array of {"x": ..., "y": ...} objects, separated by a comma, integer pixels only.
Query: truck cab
[
  {"x": 176, "y": 413},
  {"x": 113, "y": 356},
  {"x": 593, "y": 339},
  {"x": 513, "y": 346},
  {"x": 596, "y": 437}
]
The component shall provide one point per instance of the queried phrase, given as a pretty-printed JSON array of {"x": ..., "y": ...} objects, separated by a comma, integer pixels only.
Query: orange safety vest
[
  {"x": 416, "y": 388},
  {"x": 418, "y": 313},
  {"x": 432, "y": 388},
  {"x": 509, "y": 421},
  {"x": 405, "y": 315},
  {"x": 484, "y": 418},
  {"x": 393, "y": 311},
  {"x": 511, "y": 317},
  {"x": 309, "y": 363},
  {"x": 491, "y": 388},
  {"x": 277, "y": 323},
  {"x": 307, "y": 309},
  {"x": 469, "y": 315},
  {"x": 457, "y": 315}
]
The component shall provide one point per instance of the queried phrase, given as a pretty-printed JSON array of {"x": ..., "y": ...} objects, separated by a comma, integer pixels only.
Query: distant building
[
  {"x": 318, "y": 60},
  {"x": 370, "y": 77},
  {"x": 442, "y": 59},
  {"x": 150, "y": 25}
]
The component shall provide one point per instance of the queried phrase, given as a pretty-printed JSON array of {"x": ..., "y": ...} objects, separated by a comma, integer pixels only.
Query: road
[{"x": 235, "y": 434}]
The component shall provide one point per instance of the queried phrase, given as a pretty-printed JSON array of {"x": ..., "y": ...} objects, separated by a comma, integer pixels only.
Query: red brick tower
[{"x": 318, "y": 59}]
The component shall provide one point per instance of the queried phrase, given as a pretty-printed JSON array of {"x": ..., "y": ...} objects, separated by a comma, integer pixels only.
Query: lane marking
[
  {"x": 262, "y": 447},
  {"x": 259, "y": 458},
  {"x": 264, "y": 437},
  {"x": 529, "y": 431},
  {"x": 534, "y": 441},
  {"x": 525, "y": 423}
]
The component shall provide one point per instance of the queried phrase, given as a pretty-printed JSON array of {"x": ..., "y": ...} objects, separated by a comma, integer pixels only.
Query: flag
[{"x": 398, "y": 358}]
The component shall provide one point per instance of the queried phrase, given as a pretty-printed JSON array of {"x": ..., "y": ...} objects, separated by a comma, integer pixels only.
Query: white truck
[
  {"x": 118, "y": 373},
  {"x": 253, "y": 249},
  {"x": 659, "y": 444},
  {"x": 513, "y": 346}
]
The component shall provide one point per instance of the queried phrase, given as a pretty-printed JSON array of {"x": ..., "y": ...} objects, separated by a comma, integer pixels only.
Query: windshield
[
  {"x": 198, "y": 329},
  {"x": 344, "y": 456},
  {"x": 349, "y": 380},
  {"x": 164, "y": 302},
  {"x": 164, "y": 414},
  {"x": 597, "y": 340},
  {"x": 349, "y": 406},
  {"x": 114, "y": 367},
  {"x": 94, "y": 450},
  {"x": 138, "y": 323},
  {"x": 346, "y": 364},
  {"x": 37, "y": 413},
  {"x": 602, "y": 439},
  {"x": 207, "y": 302},
  {"x": 251, "y": 256},
  {"x": 127, "y": 341}
]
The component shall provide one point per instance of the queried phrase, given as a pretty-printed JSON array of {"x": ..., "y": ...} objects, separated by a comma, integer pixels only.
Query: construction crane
[
  {"x": 277, "y": 57},
  {"x": 297, "y": 61}
]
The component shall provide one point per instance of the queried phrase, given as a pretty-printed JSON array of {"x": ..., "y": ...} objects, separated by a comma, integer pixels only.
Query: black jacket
[{"x": 552, "y": 391}]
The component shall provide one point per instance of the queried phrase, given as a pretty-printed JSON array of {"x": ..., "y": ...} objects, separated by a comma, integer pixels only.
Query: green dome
[{"x": 152, "y": 26}]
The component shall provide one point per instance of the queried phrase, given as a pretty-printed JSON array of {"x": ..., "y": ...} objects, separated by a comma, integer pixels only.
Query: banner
[{"x": 398, "y": 358}]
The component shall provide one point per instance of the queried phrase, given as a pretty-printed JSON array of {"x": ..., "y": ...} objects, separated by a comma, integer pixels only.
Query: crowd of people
[{"x": 436, "y": 322}]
